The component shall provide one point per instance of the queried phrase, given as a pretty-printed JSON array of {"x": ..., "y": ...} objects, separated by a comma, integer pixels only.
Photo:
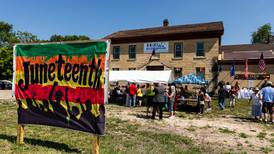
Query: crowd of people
[
  {"x": 262, "y": 99},
  {"x": 156, "y": 96},
  {"x": 161, "y": 97}
]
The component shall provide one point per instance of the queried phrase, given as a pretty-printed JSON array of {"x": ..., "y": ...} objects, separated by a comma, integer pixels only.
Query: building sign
[
  {"x": 62, "y": 85},
  {"x": 157, "y": 46},
  {"x": 252, "y": 76}
]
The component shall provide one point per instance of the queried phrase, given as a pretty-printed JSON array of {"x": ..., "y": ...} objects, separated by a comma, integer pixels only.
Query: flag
[
  {"x": 246, "y": 68},
  {"x": 262, "y": 63},
  {"x": 232, "y": 69},
  {"x": 153, "y": 52}
]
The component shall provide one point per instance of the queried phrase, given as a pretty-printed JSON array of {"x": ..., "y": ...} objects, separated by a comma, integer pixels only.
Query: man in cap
[{"x": 268, "y": 101}]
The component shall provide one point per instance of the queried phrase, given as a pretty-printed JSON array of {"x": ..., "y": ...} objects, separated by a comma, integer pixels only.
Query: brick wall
[{"x": 188, "y": 62}]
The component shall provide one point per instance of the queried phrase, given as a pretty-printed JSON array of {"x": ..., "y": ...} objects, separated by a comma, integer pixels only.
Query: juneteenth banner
[{"x": 62, "y": 84}]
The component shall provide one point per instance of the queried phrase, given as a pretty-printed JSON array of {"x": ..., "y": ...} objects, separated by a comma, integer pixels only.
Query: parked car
[{"x": 5, "y": 84}]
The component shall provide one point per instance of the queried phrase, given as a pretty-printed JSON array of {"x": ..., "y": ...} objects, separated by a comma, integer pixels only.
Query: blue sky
[{"x": 97, "y": 19}]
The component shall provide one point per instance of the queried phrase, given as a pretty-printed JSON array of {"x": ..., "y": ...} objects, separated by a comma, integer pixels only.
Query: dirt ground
[{"x": 225, "y": 133}]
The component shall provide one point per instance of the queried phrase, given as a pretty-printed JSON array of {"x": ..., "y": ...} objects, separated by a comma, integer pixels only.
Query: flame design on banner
[{"x": 61, "y": 85}]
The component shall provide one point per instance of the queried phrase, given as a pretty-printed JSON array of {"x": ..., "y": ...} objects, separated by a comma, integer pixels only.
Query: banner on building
[
  {"x": 252, "y": 76},
  {"x": 62, "y": 84},
  {"x": 158, "y": 47}
]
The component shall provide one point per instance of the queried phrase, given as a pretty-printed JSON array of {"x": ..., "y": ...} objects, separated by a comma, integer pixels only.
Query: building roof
[
  {"x": 212, "y": 29},
  {"x": 247, "y": 51}
]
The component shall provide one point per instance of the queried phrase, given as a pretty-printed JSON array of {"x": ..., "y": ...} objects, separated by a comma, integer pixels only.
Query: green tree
[
  {"x": 56, "y": 38},
  {"x": 7, "y": 36},
  {"x": 6, "y": 61},
  {"x": 7, "y": 39},
  {"x": 262, "y": 34},
  {"x": 26, "y": 37},
  {"x": 60, "y": 38}
]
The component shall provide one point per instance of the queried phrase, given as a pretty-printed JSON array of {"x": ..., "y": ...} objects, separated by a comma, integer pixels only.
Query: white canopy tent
[{"x": 141, "y": 76}]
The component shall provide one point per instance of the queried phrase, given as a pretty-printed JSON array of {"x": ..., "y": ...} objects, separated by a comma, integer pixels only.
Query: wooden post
[
  {"x": 20, "y": 134},
  {"x": 95, "y": 144}
]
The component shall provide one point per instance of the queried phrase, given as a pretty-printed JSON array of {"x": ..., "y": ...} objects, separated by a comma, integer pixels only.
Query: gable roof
[
  {"x": 173, "y": 32},
  {"x": 247, "y": 47}
]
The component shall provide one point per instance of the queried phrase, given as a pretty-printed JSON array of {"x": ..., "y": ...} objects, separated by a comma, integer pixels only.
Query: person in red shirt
[{"x": 132, "y": 94}]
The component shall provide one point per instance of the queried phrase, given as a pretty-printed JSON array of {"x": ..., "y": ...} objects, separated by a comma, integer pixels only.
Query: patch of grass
[
  {"x": 206, "y": 127},
  {"x": 191, "y": 128},
  {"x": 242, "y": 109},
  {"x": 243, "y": 135},
  {"x": 142, "y": 141},
  {"x": 262, "y": 135},
  {"x": 121, "y": 137},
  {"x": 272, "y": 142},
  {"x": 266, "y": 149},
  {"x": 226, "y": 131},
  {"x": 230, "y": 152},
  {"x": 181, "y": 115},
  {"x": 239, "y": 144}
]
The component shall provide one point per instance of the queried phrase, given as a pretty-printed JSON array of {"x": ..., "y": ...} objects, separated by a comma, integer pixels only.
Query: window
[
  {"x": 200, "y": 49},
  {"x": 200, "y": 71},
  {"x": 178, "y": 49},
  {"x": 177, "y": 72},
  {"x": 132, "y": 68},
  {"x": 116, "y": 52},
  {"x": 115, "y": 69},
  {"x": 132, "y": 52}
]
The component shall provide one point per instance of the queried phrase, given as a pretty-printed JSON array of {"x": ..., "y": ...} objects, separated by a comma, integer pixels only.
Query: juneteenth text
[{"x": 78, "y": 73}]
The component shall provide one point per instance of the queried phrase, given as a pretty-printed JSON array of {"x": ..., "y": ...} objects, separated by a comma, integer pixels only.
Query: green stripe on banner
[{"x": 67, "y": 49}]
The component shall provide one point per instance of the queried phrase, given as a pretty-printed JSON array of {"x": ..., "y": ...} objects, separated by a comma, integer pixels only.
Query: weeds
[
  {"x": 243, "y": 135},
  {"x": 266, "y": 150},
  {"x": 226, "y": 131},
  {"x": 261, "y": 135}
]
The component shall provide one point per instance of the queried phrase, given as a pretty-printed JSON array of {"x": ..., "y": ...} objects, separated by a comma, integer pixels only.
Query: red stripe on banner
[{"x": 39, "y": 92}]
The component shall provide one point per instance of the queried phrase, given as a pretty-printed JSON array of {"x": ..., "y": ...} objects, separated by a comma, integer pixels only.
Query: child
[
  {"x": 201, "y": 101},
  {"x": 208, "y": 101}
]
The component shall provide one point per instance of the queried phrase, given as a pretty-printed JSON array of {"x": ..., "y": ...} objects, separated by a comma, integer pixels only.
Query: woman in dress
[{"x": 256, "y": 100}]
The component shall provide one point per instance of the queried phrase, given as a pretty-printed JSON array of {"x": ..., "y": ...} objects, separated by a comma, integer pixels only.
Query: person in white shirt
[
  {"x": 171, "y": 96},
  {"x": 227, "y": 88},
  {"x": 256, "y": 99},
  {"x": 208, "y": 101}
]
